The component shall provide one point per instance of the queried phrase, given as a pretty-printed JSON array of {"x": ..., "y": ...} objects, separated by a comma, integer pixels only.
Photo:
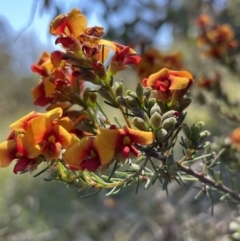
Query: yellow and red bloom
[
  {"x": 87, "y": 155},
  {"x": 123, "y": 141},
  {"x": 49, "y": 135},
  {"x": 169, "y": 85},
  {"x": 74, "y": 23},
  {"x": 75, "y": 36},
  {"x": 19, "y": 149}
]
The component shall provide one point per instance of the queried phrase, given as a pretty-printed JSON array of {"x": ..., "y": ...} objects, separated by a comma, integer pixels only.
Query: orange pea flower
[
  {"x": 19, "y": 149},
  {"x": 88, "y": 154},
  {"x": 74, "y": 23},
  {"x": 75, "y": 36},
  {"x": 123, "y": 141},
  {"x": 217, "y": 41},
  {"x": 169, "y": 85},
  {"x": 49, "y": 135}
]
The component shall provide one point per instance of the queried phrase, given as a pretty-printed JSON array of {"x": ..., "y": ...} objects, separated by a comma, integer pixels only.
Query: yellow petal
[
  {"x": 76, "y": 153},
  {"x": 26, "y": 148},
  {"x": 54, "y": 113},
  {"x": 77, "y": 22},
  {"x": 37, "y": 129},
  {"x": 182, "y": 73},
  {"x": 7, "y": 152},
  {"x": 105, "y": 149},
  {"x": 21, "y": 123},
  {"x": 49, "y": 86},
  {"x": 160, "y": 75},
  {"x": 178, "y": 83},
  {"x": 141, "y": 137},
  {"x": 62, "y": 136},
  {"x": 113, "y": 45}
]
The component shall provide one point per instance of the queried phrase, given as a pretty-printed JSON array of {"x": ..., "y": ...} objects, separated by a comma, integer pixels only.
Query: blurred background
[{"x": 33, "y": 209}]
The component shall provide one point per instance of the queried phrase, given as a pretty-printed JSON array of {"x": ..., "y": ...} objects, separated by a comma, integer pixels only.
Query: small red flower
[{"x": 123, "y": 56}]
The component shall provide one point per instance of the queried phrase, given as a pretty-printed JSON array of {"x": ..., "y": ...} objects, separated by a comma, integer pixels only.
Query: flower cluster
[
  {"x": 79, "y": 141},
  {"x": 75, "y": 137},
  {"x": 217, "y": 41},
  {"x": 34, "y": 138}
]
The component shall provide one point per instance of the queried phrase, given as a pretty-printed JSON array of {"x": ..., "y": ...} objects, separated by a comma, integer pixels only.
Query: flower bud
[
  {"x": 171, "y": 113},
  {"x": 208, "y": 148},
  {"x": 186, "y": 130},
  {"x": 198, "y": 127},
  {"x": 106, "y": 94},
  {"x": 147, "y": 92},
  {"x": 121, "y": 101},
  {"x": 203, "y": 136},
  {"x": 131, "y": 102},
  {"x": 156, "y": 109},
  {"x": 118, "y": 88},
  {"x": 161, "y": 135},
  {"x": 151, "y": 103},
  {"x": 140, "y": 123},
  {"x": 169, "y": 123},
  {"x": 156, "y": 120},
  {"x": 142, "y": 114},
  {"x": 131, "y": 93},
  {"x": 139, "y": 91}
]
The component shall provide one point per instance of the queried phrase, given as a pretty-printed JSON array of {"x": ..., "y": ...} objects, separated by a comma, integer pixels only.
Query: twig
[{"x": 206, "y": 180}]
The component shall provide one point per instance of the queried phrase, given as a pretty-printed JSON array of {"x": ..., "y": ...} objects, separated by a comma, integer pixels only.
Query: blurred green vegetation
[{"x": 36, "y": 210}]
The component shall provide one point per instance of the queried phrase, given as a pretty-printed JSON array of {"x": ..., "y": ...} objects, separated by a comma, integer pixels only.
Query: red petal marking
[
  {"x": 21, "y": 165},
  {"x": 65, "y": 41},
  {"x": 91, "y": 164},
  {"x": 134, "y": 150},
  {"x": 8, "y": 152},
  {"x": 38, "y": 70},
  {"x": 161, "y": 85},
  {"x": 132, "y": 59}
]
